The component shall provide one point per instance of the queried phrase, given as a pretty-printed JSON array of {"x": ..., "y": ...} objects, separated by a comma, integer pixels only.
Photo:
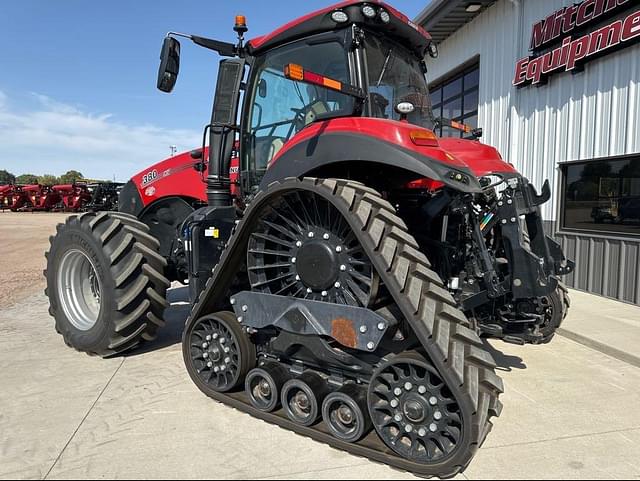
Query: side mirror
[{"x": 169, "y": 64}]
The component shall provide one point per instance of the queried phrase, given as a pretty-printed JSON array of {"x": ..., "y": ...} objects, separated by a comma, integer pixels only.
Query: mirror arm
[{"x": 224, "y": 49}]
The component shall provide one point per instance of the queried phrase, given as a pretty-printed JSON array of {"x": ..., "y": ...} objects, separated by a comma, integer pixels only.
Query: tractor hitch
[{"x": 535, "y": 259}]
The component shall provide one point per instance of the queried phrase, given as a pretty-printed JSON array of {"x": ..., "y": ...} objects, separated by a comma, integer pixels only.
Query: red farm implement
[{"x": 70, "y": 197}]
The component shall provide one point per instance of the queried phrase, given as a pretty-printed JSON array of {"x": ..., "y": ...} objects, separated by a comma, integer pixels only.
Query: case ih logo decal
[{"x": 575, "y": 50}]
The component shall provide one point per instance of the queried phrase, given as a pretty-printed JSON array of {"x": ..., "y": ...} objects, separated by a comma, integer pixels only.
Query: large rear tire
[{"x": 105, "y": 283}]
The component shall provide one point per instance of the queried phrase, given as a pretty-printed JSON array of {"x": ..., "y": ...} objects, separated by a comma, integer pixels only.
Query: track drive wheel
[
  {"x": 414, "y": 412},
  {"x": 105, "y": 283},
  {"x": 218, "y": 353}
]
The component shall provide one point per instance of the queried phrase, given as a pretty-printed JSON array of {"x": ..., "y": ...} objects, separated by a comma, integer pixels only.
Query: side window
[{"x": 281, "y": 107}]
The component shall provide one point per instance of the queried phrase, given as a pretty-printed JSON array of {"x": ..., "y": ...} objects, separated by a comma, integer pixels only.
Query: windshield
[{"x": 395, "y": 75}]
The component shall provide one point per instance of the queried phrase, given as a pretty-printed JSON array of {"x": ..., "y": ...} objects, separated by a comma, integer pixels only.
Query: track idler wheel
[
  {"x": 218, "y": 353},
  {"x": 413, "y": 411},
  {"x": 263, "y": 386},
  {"x": 345, "y": 413},
  {"x": 302, "y": 398}
]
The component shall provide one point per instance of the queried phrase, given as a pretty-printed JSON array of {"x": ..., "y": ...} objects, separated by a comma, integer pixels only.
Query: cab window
[
  {"x": 395, "y": 75},
  {"x": 281, "y": 108}
]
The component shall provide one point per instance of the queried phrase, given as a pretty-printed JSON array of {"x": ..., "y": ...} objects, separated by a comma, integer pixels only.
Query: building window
[
  {"x": 602, "y": 195},
  {"x": 456, "y": 98}
]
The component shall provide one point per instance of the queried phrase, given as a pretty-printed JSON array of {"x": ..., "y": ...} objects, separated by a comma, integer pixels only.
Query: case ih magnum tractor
[{"x": 340, "y": 290}]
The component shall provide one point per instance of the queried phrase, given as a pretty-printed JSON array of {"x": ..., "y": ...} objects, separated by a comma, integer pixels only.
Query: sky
[{"x": 77, "y": 79}]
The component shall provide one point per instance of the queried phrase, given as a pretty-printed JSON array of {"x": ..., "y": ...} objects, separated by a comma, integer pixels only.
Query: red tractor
[{"x": 340, "y": 289}]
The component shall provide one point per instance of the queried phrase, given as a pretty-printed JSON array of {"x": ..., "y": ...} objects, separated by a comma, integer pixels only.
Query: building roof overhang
[{"x": 442, "y": 18}]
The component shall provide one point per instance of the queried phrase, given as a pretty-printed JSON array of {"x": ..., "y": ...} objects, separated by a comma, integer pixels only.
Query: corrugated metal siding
[
  {"x": 608, "y": 267},
  {"x": 574, "y": 117}
]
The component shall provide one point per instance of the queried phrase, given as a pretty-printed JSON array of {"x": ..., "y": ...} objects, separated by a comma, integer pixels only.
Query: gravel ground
[{"x": 24, "y": 237}]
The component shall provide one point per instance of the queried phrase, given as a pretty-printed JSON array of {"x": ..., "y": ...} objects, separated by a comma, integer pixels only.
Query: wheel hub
[
  {"x": 301, "y": 402},
  {"x": 265, "y": 389},
  {"x": 215, "y": 352},
  {"x": 345, "y": 415},
  {"x": 317, "y": 265},
  {"x": 415, "y": 410}
]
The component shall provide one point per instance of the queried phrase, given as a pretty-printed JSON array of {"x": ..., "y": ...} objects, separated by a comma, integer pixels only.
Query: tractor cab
[{"x": 355, "y": 59}]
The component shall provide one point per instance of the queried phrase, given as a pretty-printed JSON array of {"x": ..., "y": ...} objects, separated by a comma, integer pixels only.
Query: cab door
[{"x": 277, "y": 108}]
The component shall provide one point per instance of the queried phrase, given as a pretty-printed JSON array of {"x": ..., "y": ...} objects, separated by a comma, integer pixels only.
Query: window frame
[
  {"x": 562, "y": 229},
  {"x": 459, "y": 73}
]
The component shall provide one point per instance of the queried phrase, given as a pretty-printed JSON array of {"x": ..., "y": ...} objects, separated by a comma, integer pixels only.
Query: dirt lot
[{"x": 24, "y": 237}]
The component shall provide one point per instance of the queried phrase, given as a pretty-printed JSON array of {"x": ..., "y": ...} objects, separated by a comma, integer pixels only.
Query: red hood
[
  {"x": 5, "y": 188},
  {"x": 480, "y": 158}
]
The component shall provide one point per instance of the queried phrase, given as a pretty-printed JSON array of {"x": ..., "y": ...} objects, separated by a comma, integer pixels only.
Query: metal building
[{"x": 555, "y": 85}]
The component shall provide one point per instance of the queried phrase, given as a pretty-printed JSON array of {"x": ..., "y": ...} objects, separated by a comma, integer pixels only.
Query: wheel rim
[
  {"x": 413, "y": 411},
  {"x": 304, "y": 248},
  {"x": 215, "y": 354},
  {"x": 299, "y": 402},
  {"x": 79, "y": 289},
  {"x": 262, "y": 390},
  {"x": 344, "y": 417}
]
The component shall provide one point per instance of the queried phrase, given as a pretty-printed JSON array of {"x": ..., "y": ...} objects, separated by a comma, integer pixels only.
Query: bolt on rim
[
  {"x": 414, "y": 412},
  {"x": 79, "y": 289},
  {"x": 215, "y": 354}
]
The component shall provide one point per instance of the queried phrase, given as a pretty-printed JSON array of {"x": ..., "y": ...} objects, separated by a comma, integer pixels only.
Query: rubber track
[
  {"x": 454, "y": 349},
  {"x": 136, "y": 267}
]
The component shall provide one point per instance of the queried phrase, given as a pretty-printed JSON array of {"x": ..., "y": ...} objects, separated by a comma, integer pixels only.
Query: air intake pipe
[{"x": 218, "y": 184}]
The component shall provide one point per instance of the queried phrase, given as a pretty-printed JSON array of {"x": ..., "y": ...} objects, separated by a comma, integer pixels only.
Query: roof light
[
  {"x": 368, "y": 11},
  {"x": 474, "y": 7},
  {"x": 339, "y": 16},
  {"x": 241, "y": 25},
  {"x": 384, "y": 16}
]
